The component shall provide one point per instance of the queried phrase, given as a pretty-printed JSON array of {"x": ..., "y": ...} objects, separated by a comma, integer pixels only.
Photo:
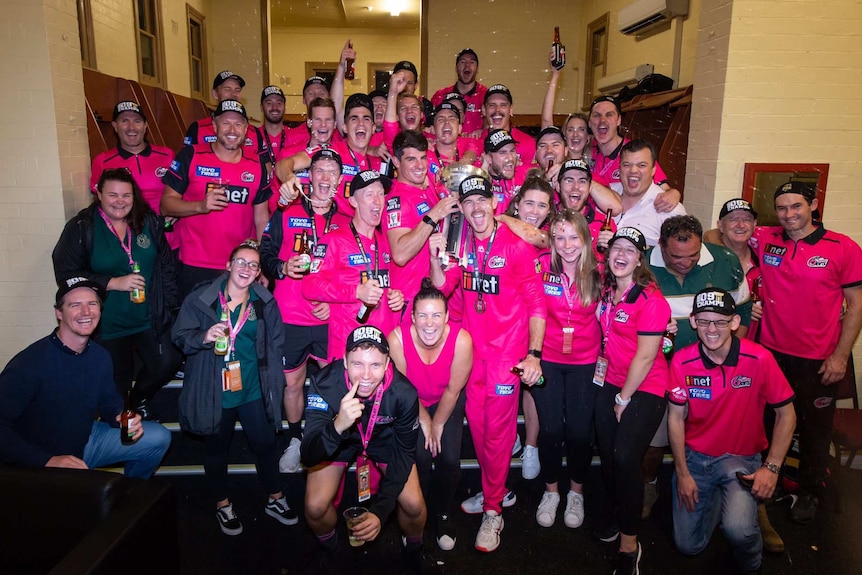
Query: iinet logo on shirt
[{"x": 490, "y": 285}]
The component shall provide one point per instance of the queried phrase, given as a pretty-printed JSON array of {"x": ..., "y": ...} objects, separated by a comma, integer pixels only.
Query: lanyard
[
  {"x": 356, "y": 161},
  {"x": 127, "y": 245},
  {"x": 608, "y": 306},
  {"x": 569, "y": 293},
  {"x": 365, "y": 258},
  {"x": 365, "y": 434},
  {"x": 233, "y": 330},
  {"x": 440, "y": 161},
  {"x": 272, "y": 152},
  {"x": 481, "y": 275},
  {"x": 327, "y": 218}
]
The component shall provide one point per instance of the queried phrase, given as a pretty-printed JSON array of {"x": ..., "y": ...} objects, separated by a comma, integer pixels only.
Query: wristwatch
[
  {"x": 618, "y": 399},
  {"x": 535, "y": 353},
  {"x": 427, "y": 219},
  {"x": 776, "y": 469}
]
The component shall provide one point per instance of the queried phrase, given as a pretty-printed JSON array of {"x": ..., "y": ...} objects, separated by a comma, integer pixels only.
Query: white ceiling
[{"x": 344, "y": 14}]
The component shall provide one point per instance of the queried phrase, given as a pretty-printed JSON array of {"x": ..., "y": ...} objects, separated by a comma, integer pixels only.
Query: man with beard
[
  {"x": 473, "y": 93},
  {"x": 448, "y": 146},
  {"x": 550, "y": 153},
  {"x": 272, "y": 132},
  {"x": 221, "y": 192},
  {"x": 504, "y": 311},
  {"x": 497, "y": 109},
  {"x": 500, "y": 160},
  {"x": 315, "y": 87},
  {"x": 575, "y": 187}
]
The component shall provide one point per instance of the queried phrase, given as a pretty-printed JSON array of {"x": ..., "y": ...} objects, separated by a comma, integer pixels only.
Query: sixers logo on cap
[
  {"x": 714, "y": 300},
  {"x": 367, "y": 334},
  {"x": 475, "y": 185},
  {"x": 631, "y": 234}
]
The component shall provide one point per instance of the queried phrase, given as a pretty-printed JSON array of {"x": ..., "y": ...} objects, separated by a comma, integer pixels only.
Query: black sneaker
[
  {"x": 628, "y": 563},
  {"x": 445, "y": 533},
  {"x": 228, "y": 521},
  {"x": 411, "y": 555},
  {"x": 279, "y": 509},
  {"x": 804, "y": 510},
  {"x": 608, "y": 534}
]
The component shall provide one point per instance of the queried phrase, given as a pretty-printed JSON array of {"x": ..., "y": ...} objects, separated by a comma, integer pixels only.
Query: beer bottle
[
  {"x": 137, "y": 295},
  {"x": 520, "y": 373},
  {"x": 350, "y": 72},
  {"x": 558, "y": 60},
  {"x": 667, "y": 344},
  {"x": 606, "y": 227},
  {"x": 125, "y": 416},
  {"x": 221, "y": 342},
  {"x": 304, "y": 253},
  {"x": 364, "y": 312}
]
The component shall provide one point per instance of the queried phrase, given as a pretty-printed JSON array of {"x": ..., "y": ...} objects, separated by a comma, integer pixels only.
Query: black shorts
[{"x": 302, "y": 342}]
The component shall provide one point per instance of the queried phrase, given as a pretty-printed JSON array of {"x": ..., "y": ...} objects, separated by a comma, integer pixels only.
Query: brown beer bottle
[
  {"x": 350, "y": 72},
  {"x": 520, "y": 373},
  {"x": 364, "y": 312},
  {"x": 606, "y": 227},
  {"x": 125, "y": 416},
  {"x": 558, "y": 60},
  {"x": 305, "y": 253},
  {"x": 667, "y": 342}
]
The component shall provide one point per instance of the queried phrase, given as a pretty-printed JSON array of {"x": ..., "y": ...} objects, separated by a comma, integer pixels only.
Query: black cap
[
  {"x": 496, "y": 139},
  {"x": 633, "y": 235},
  {"x": 315, "y": 80},
  {"x": 610, "y": 99},
  {"x": 227, "y": 75},
  {"x": 551, "y": 130},
  {"x": 498, "y": 89},
  {"x": 269, "y": 91},
  {"x": 465, "y": 52},
  {"x": 796, "y": 187},
  {"x": 69, "y": 284},
  {"x": 448, "y": 106},
  {"x": 327, "y": 154},
  {"x": 570, "y": 165},
  {"x": 734, "y": 205},
  {"x": 358, "y": 100},
  {"x": 473, "y": 185},
  {"x": 128, "y": 106},
  {"x": 715, "y": 300},
  {"x": 378, "y": 94},
  {"x": 226, "y": 106},
  {"x": 406, "y": 65},
  {"x": 365, "y": 178},
  {"x": 367, "y": 334}
]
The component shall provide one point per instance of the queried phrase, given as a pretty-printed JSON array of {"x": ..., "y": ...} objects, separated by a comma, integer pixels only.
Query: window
[
  {"x": 85, "y": 34},
  {"x": 197, "y": 53},
  {"x": 597, "y": 51},
  {"x": 378, "y": 74},
  {"x": 149, "y": 39}
]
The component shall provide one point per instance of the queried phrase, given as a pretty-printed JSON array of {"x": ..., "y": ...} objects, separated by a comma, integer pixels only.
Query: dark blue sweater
[{"x": 49, "y": 398}]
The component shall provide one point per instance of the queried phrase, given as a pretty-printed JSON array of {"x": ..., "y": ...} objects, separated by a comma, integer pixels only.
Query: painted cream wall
[
  {"x": 235, "y": 40},
  {"x": 293, "y": 47},
  {"x": 45, "y": 166},
  {"x": 113, "y": 31},
  {"x": 176, "y": 42},
  {"x": 512, "y": 39}
]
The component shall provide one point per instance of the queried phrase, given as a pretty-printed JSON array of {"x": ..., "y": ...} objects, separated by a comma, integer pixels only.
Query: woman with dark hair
[
  {"x": 437, "y": 358},
  {"x": 231, "y": 331},
  {"x": 119, "y": 243},
  {"x": 633, "y": 376},
  {"x": 572, "y": 338}
]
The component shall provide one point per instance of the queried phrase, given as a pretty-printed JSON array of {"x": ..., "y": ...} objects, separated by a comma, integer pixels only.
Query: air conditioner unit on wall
[{"x": 643, "y": 15}]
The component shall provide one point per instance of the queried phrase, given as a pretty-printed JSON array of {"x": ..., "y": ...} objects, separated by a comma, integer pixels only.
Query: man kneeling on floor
[
  {"x": 360, "y": 408},
  {"x": 726, "y": 383}
]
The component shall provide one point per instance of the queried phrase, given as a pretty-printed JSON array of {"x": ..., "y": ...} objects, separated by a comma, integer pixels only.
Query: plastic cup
[{"x": 353, "y": 516}]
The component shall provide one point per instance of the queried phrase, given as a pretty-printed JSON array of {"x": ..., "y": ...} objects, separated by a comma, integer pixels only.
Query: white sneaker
[
  {"x": 473, "y": 505},
  {"x": 488, "y": 538},
  {"x": 517, "y": 446},
  {"x": 574, "y": 515},
  {"x": 530, "y": 466},
  {"x": 289, "y": 462},
  {"x": 546, "y": 513}
]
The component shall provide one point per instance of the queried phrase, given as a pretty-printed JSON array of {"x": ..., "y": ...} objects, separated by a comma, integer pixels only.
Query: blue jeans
[
  {"x": 141, "y": 458},
  {"x": 721, "y": 499}
]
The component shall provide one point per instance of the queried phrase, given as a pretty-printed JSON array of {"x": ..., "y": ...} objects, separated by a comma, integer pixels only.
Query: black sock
[{"x": 294, "y": 430}]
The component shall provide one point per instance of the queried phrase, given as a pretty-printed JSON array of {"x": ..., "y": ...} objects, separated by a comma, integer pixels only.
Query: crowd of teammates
[{"x": 578, "y": 264}]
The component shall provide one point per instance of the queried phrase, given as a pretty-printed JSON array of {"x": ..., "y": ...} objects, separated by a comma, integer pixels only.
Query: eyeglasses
[
  {"x": 241, "y": 263},
  {"x": 719, "y": 323}
]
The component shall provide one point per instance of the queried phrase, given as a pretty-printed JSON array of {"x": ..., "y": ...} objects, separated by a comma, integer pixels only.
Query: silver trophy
[{"x": 454, "y": 227}]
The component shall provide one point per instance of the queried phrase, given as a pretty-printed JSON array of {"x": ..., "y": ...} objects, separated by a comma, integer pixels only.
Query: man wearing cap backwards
[
  {"x": 720, "y": 386},
  {"x": 52, "y": 392},
  {"x": 500, "y": 160},
  {"x": 504, "y": 311},
  {"x": 146, "y": 163},
  {"x": 226, "y": 86},
  {"x": 220, "y": 191},
  {"x": 574, "y": 182},
  {"x": 638, "y": 166},
  {"x": 351, "y": 266},
  {"x": 305, "y": 321},
  {"x": 497, "y": 109},
  {"x": 605, "y": 120},
  {"x": 362, "y": 409},
  {"x": 467, "y": 86},
  {"x": 809, "y": 273}
]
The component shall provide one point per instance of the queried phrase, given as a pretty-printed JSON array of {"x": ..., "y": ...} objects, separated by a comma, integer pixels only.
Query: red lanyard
[
  {"x": 569, "y": 293},
  {"x": 365, "y": 435},
  {"x": 127, "y": 246},
  {"x": 233, "y": 330}
]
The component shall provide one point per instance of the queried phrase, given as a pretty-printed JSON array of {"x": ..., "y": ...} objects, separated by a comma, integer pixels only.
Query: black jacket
[{"x": 75, "y": 247}]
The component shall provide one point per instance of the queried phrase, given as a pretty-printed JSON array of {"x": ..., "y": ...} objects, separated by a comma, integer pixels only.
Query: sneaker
[
  {"x": 516, "y": 448},
  {"x": 608, "y": 534},
  {"x": 628, "y": 563},
  {"x": 445, "y": 533},
  {"x": 278, "y": 509},
  {"x": 530, "y": 466},
  {"x": 772, "y": 542},
  {"x": 228, "y": 521},
  {"x": 473, "y": 505},
  {"x": 488, "y": 538},
  {"x": 804, "y": 509},
  {"x": 411, "y": 555},
  {"x": 289, "y": 462},
  {"x": 546, "y": 513},
  {"x": 650, "y": 497},
  {"x": 574, "y": 515}
]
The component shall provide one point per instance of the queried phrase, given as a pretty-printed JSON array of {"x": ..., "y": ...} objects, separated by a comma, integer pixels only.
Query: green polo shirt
[{"x": 245, "y": 352}]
